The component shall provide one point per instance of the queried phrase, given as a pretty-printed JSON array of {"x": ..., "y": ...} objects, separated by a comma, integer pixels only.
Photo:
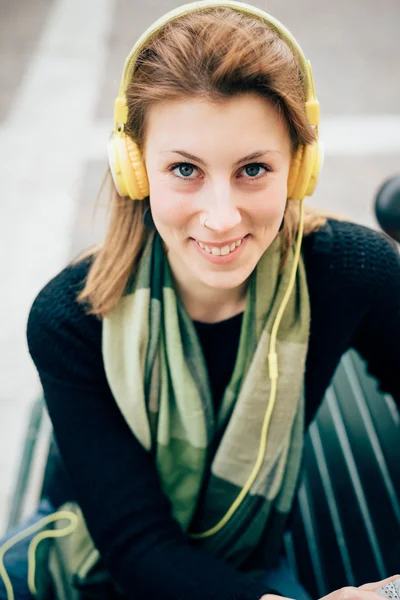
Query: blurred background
[{"x": 60, "y": 66}]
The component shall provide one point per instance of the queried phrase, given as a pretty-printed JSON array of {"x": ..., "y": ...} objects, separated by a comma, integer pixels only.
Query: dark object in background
[{"x": 387, "y": 207}]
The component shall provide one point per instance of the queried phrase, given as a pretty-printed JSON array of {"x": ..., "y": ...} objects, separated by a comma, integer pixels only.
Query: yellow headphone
[{"x": 125, "y": 159}]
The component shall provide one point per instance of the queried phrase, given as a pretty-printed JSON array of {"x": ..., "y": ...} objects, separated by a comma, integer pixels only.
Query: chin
[{"x": 225, "y": 280}]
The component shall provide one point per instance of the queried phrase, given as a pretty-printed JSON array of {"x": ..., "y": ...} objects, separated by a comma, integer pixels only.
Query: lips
[{"x": 224, "y": 255}]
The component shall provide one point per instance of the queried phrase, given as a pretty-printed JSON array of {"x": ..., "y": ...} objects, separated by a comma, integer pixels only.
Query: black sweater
[{"x": 353, "y": 276}]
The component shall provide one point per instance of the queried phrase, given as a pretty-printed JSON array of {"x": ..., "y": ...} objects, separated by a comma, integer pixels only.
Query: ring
[
  {"x": 205, "y": 223},
  {"x": 390, "y": 590}
]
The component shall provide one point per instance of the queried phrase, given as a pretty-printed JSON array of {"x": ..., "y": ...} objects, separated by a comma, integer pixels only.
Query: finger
[
  {"x": 351, "y": 593},
  {"x": 377, "y": 584}
]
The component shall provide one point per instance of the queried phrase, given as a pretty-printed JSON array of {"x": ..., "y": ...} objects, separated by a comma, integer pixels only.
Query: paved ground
[{"x": 60, "y": 64}]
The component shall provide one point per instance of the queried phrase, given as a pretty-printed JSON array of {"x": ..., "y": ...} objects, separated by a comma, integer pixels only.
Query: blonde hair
[{"x": 214, "y": 54}]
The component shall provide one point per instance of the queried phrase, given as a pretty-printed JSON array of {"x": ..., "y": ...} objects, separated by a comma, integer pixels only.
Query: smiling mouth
[{"x": 220, "y": 250}]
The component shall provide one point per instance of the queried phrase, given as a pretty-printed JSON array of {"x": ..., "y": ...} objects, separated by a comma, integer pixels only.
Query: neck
[{"x": 210, "y": 305}]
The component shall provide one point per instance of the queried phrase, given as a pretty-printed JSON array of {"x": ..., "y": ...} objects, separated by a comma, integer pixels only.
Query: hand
[
  {"x": 374, "y": 586},
  {"x": 364, "y": 592}
]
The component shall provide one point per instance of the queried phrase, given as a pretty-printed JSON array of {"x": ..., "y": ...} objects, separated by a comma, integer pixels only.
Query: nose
[{"x": 223, "y": 213}]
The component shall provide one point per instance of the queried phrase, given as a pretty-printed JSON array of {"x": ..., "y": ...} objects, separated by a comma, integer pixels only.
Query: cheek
[
  {"x": 168, "y": 208},
  {"x": 269, "y": 206}
]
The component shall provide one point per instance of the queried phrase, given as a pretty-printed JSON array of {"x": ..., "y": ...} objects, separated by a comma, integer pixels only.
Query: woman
[{"x": 158, "y": 352}]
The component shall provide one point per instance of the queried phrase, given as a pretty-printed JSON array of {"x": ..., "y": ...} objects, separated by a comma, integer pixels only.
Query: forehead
[{"x": 240, "y": 120}]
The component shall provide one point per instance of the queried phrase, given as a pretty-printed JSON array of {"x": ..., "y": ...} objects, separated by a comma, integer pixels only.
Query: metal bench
[{"x": 346, "y": 523}]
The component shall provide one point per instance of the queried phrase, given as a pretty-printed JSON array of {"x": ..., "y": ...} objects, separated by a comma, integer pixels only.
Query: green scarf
[{"x": 157, "y": 373}]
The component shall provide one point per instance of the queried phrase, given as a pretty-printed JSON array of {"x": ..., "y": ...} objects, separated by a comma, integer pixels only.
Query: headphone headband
[
  {"x": 121, "y": 107},
  {"x": 126, "y": 161}
]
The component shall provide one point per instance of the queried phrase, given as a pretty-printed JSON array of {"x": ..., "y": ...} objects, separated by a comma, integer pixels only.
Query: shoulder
[
  {"x": 353, "y": 254},
  {"x": 59, "y": 327},
  {"x": 57, "y": 303},
  {"x": 351, "y": 238}
]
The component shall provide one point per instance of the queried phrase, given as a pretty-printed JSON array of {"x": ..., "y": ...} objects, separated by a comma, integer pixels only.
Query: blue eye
[
  {"x": 251, "y": 167},
  {"x": 182, "y": 167},
  {"x": 186, "y": 169}
]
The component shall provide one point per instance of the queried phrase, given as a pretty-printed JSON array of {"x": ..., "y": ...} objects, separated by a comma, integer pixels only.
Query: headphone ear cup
[
  {"x": 295, "y": 167},
  {"x": 319, "y": 156},
  {"x": 304, "y": 171},
  {"x": 140, "y": 182},
  {"x": 127, "y": 167},
  {"x": 115, "y": 166}
]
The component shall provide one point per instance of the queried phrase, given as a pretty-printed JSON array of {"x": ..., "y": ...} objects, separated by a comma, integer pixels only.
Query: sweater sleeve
[
  {"x": 377, "y": 336},
  {"x": 113, "y": 476}
]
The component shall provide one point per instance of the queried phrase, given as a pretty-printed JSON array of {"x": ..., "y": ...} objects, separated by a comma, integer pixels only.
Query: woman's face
[{"x": 227, "y": 164}]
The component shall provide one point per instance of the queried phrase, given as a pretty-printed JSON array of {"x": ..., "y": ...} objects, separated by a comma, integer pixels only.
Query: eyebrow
[{"x": 251, "y": 156}]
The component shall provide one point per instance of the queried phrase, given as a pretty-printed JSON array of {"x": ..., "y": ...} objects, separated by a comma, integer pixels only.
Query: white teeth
[{"x": 220, "y": 251}]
